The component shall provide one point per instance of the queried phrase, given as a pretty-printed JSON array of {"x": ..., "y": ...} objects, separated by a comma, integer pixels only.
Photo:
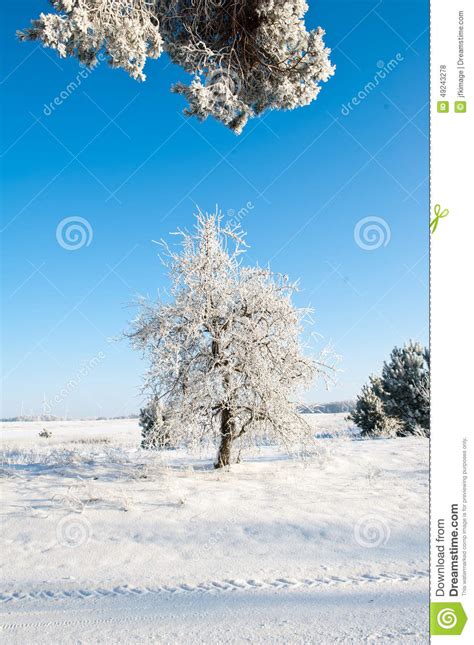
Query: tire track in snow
[
  {"x": 215, "y": 586},
  {"x": 79, "y": 622}
]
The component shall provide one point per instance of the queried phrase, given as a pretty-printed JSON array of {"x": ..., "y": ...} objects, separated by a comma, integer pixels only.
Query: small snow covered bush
[
  {"x": 45, "y": 434},
  {"x": 155, "y": 432},
  {"x": 245, "y": 57}
]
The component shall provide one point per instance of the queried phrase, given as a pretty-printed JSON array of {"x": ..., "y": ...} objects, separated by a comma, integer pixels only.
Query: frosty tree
[
  {"x": 369, "y": 413},
  {"x": 398, "y": 402},
  {"x": 406, "y": 387},
  {"x": 245, "y": 57},
  {"x": 224, "y": 352},
  {"x": 152, "y": 421}
]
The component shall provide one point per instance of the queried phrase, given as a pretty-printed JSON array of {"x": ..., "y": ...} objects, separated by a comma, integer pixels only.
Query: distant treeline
[
  {"x": 50, "y": 417},
  {"x": 311, "y": 408},
  {"x": 327, "y": 408}
]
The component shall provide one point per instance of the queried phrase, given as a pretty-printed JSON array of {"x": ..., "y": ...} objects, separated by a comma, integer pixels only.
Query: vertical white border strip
[{"x": 452, "y": 324}]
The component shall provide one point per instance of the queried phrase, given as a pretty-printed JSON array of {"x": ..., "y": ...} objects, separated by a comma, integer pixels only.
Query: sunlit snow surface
[{"x": 106, "y": 543}]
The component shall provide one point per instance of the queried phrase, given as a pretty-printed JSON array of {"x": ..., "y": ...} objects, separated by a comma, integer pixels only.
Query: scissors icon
[{"x": 439, "y": 214}]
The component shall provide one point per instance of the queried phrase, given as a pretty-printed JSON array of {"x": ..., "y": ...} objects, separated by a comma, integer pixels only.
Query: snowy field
[{"x": 107, "y": 543}]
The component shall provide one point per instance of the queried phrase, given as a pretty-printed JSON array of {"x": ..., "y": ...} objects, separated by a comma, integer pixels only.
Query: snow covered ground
[{"x": 107, "y": 543}]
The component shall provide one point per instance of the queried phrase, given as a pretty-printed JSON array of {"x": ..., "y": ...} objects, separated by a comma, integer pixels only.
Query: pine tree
[
  {"x": 224, "y": 351},
  {"x": 398, "y": 402},
  {"x": 405, "y": 387},
  {"x": 369, "y": 413},
  {"x": 244, "y": 57}
]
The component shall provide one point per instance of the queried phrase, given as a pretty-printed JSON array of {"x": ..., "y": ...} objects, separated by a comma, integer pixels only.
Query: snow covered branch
[{"x": 245, "y": 57}]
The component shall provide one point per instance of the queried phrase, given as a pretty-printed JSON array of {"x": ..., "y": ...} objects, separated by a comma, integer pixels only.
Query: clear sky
[{"x": 119, "y": 154}]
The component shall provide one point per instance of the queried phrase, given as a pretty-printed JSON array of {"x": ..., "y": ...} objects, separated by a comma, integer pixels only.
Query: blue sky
[{"x": 120, "y": 154}]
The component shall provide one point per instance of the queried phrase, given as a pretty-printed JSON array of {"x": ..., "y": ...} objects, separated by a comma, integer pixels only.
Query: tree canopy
[
  {"x": 244, "y": 57},
  {"x": 224, "y": 351}
]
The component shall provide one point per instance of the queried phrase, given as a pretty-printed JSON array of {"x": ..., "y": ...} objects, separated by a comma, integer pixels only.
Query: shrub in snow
[
  {"x": 224, "y": 351},
  {"x": 245, "y": 57},
  {"x": 406, "y": 387},
  {"x": 370, "y": 415},
  {"x": 155, "y": 432},
  {"x": 45, "y": 434}
]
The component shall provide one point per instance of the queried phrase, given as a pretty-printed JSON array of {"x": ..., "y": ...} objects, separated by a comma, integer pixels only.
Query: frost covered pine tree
[
  {"x": 406, "y": 387},
  {"x": 245, "y": 57},
  {"x": 398, "y": 402},
  {"x": 224, "y": 351},
  {"x": 369, "y": 413}
]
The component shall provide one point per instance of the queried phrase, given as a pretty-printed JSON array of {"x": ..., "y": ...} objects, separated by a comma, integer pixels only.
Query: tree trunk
[{"x": 223, "y": 456}]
